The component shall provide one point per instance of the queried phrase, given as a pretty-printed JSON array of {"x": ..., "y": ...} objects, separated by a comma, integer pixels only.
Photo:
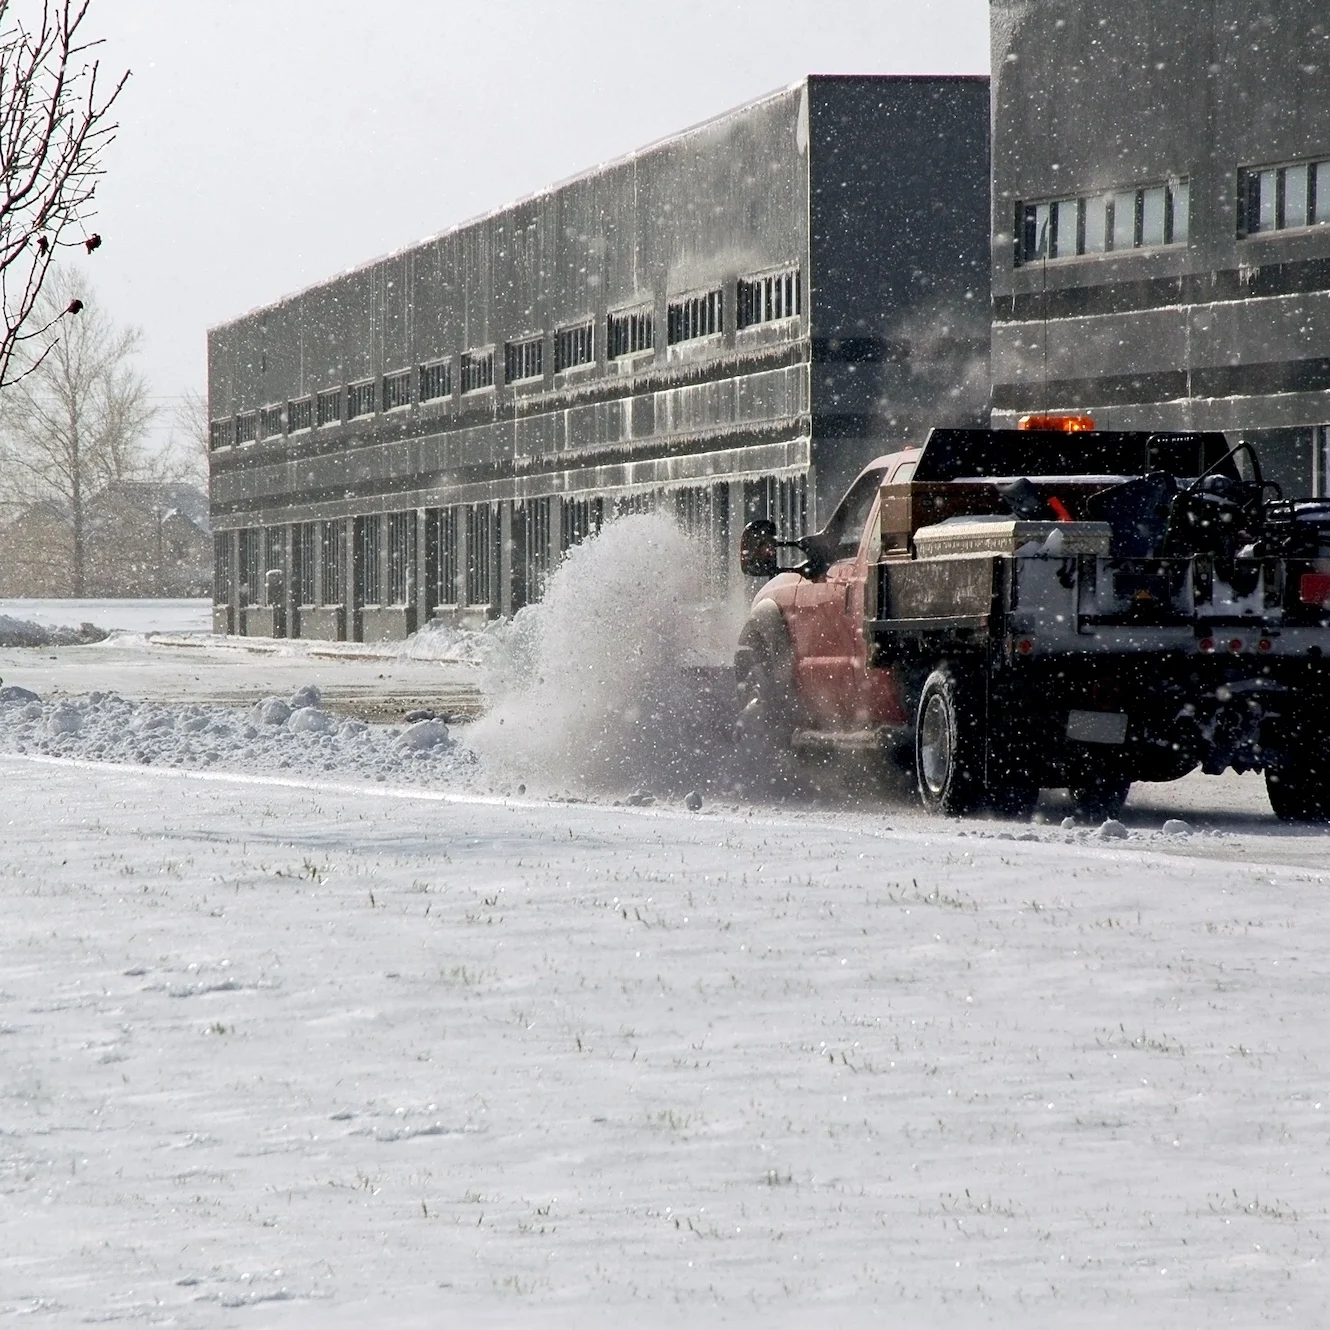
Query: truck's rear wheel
[
  {"x": 1299, "y": 791},
  {"x": 948, "y": 745}
]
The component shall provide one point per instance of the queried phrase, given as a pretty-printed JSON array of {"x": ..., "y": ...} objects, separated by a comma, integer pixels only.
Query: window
[
  {"x": 270, "y": 422},
  {"x": 766, "y": 299},
  {"x": 1280, "y": 198},
  {"x": 436, "y": 381},
  {"x": 574, "y": 346},
  {"x": 693, "y": 316},
  {"x": 481, "y": 530},
  {"x": 1144, "y": 218},
  {"x": 274, "y": 561},
  {"x": 220, "y": 434},
  {"x": 221, "y": 566},
  {"x": 401, "y": 558},
  {"x": 366, "y": 536},
  {"x": 477, "y": 371},
  {"x": 251, "y": 567},
  {"x": 538, "y": 550},
  {"x": 307, "y": 556},
  {"x": 300, "y": 415},
  {"x": 630, "y": 332},
  {"x": 441, "y": 556},
  {"x": 523, "y": 360},
  {"x": 581, "y": 518},
  {"x": 360, "y": 400},
  {"x": 332, "y": 562},
  {"x": 397, "y": 390},
  {"x": 247, "y": 427},
  {"x": 328, "y": 407}
]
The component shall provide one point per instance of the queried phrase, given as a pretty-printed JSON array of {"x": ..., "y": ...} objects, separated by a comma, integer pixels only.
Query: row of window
[
  {"x": 1270, "y": 198},
  {"x": 461, "y": 556},
  {"x": 1142, "y": 218},
  {"x": 1282, "y": 198},
  {"x": 765, "y": 299}
]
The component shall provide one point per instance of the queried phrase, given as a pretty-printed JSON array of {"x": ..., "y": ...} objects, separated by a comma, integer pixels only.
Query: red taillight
[
  {"x": 1206, "y": 644},
  {"x": 1025, "y": 646},
  {"x": 1265, "y": 644},
  {"x": 1314, "y": 589},
  {"x": 1235, "y": 645}
]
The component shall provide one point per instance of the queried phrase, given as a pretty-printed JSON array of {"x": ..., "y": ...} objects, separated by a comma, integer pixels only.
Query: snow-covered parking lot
[{"x": 282, "y": 1054}]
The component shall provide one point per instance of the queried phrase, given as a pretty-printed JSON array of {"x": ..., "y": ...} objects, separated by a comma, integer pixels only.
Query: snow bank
[
  {"x": 25, "y": 633},
  {"x": 274, "y": 736},
  {"x": 590, "y": 686}
]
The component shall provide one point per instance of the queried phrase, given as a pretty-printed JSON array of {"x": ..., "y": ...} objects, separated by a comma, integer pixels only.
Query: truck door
[
  {"x": 826, "y": 625},
  {"x": 874, "y": 695}
]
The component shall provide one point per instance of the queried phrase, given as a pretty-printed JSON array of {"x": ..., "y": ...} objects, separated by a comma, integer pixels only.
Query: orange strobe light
[{"x": 1067, "y": 424}]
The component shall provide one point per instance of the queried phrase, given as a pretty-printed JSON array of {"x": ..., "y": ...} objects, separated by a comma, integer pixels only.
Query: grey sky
[{"x": 266, "y": 144}]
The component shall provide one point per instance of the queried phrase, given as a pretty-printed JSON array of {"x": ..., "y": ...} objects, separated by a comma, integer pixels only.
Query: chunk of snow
[
  {"x": 65, "y": 719},
  {"x": 307, "y": 696},
  {"x": 423, "y": 734},
  {"x": 271, "y": 711},
  {"x": 1175, "y": 826},
  {"x": 310, "y": 720},
  {"x": 1112, "y": 830},
  {"x": 13, "y": 695}
]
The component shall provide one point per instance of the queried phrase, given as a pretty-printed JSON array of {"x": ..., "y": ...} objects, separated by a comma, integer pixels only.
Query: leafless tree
[
  {"x": 54, "y": 131},
  {"x": 75, "y": 420},
  {"x": 189, "y": 449}
]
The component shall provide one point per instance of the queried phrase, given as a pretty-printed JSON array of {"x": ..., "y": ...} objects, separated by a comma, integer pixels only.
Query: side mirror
[{"x": 757, "y": 549}]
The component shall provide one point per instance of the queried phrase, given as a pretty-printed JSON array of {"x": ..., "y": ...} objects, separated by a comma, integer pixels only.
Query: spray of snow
[{"x": 595, "y": 686}]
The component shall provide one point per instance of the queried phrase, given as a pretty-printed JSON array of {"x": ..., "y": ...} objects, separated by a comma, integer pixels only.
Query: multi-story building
[
  {"x": 727, "y": 324},
  {"x": 1161, "y": 219}
]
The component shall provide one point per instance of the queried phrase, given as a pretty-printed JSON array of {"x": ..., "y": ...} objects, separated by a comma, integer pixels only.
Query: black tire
[
  {"x": 949, "y": 745},
  {"x": 766, "y": 713},
  {"x": 1299, "y": 792},
  {"x": 1100, "y": 799}
]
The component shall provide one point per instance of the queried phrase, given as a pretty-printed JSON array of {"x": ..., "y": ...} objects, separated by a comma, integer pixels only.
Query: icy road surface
[{"x": 284, "y": 1056}]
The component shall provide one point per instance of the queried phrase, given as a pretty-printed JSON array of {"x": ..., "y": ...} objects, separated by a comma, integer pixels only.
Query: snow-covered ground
[
  {"x": 309, "y": 1023},
  {"x": 297, "y": 1054}
]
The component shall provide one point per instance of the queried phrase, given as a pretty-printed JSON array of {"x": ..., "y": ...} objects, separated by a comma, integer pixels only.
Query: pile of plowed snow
[
  {"x": 25, "y": 633},
  {"x": 294, "y": 735}
]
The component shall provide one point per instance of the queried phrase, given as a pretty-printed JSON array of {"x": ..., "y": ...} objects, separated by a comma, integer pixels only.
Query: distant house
[{"x": 144, "y": 539}]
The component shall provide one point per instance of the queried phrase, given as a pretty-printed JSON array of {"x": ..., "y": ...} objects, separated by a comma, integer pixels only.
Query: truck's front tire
[{"x": 949, "y": 745}]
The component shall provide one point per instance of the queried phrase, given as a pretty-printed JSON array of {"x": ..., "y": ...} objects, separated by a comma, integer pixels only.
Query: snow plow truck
[{"x": 1054, "y": 606}]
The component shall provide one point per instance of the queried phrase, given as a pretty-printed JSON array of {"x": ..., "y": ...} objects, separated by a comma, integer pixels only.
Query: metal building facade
[
  {"x": 1161, "y": 219},
  {"x": 728, "y": 323}
]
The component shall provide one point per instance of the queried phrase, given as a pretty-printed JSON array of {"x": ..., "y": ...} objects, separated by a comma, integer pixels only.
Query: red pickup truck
[{"x": 1056, "y": 607}]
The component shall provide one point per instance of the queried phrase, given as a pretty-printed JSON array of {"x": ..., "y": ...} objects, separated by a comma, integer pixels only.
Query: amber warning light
[{"x": 1067, "y": 424}]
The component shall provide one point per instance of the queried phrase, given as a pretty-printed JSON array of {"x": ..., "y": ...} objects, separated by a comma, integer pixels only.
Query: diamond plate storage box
[{"x": 966, "y": 537}]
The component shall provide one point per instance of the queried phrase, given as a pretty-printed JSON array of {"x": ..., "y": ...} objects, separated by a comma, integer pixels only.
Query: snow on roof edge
[{"x": 585, "y": 173}]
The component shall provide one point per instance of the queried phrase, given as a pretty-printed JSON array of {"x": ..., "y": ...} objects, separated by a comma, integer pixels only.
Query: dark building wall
[
  {"x": 1228, "y": 329},
  {"x": 724, "y": 426},
  {"x": 899, "y": 199}
]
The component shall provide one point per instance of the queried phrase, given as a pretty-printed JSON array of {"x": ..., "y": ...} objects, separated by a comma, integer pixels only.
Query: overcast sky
[{"x": 267, "y": 144}]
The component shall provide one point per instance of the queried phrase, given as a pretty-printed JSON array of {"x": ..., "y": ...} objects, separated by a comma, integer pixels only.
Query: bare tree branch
[{"x": 55, "y": 127}]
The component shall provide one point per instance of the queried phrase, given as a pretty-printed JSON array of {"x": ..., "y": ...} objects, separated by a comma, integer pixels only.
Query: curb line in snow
[{"x": 711, "y": 818}]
